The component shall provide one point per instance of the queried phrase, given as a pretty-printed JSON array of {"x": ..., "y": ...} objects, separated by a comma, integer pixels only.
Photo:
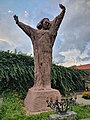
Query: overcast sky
[{"x": 72, "y": 45}]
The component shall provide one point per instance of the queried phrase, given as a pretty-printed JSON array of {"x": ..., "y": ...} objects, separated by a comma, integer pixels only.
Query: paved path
[{"x": 82, "y": 101}]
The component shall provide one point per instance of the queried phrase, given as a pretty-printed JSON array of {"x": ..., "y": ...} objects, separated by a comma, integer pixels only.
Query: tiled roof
[{"x": 82, "y": 67}]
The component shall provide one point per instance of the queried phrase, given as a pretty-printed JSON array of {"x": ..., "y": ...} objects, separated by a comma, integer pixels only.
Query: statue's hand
[
  {"x": 16, "y": 19},
  {"x": 62, "y": 7}
]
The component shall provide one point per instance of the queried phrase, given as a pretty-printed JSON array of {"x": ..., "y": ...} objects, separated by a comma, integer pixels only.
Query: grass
[
  {"x": 82, "y": 111},
  {"x": 12, "y": 109}
]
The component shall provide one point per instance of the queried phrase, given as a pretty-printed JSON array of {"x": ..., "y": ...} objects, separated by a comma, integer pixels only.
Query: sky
[{"x": 72, "y": 44}]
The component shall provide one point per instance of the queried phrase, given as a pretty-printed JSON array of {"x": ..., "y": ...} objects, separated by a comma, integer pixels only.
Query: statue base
[{"x": 35, "y": 100}]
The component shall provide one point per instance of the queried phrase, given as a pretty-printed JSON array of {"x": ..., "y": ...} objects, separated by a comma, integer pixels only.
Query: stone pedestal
[
  {"x": 68, "y": 115},
  {"x": 35, "y": 100}
]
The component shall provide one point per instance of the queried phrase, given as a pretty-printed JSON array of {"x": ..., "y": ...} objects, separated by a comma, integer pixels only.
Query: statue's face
[{"x": 46, "y": 24}]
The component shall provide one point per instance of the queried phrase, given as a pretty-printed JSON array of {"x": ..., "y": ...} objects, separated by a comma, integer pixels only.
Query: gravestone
[{"x": 43, "y": 39}]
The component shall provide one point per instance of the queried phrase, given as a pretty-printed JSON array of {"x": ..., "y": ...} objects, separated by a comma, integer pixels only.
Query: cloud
[
  {"x": 9, "y": 11},
  {"x": 75, "y": 31},
  {"x": 11, "y": 35},
  {"x": 26, "y": 14},
  {"x": 74, "y": 57},
  {"x": 72, "y": 45},
  {"x": 76, "y": 26},
  {"x": 4, "y": 45}
]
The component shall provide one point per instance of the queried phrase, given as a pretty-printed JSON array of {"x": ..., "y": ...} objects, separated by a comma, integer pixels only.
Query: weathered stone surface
[
  {"x": 43, "y": 40},
  {"x": 69, "y": 116},
  {"x": 35, "y": 100}
]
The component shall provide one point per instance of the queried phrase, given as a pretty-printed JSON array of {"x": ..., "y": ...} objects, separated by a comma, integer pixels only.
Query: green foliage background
[{"x": 17, "y": 73}]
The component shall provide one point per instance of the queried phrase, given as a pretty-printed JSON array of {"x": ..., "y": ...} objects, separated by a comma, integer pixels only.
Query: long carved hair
[{"x": 40, "y": 24}]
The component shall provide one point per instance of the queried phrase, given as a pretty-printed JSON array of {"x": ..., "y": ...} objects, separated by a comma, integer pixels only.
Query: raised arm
[
  {"x": 27, "y": 29},
  {"x": 57, "y": 21}
]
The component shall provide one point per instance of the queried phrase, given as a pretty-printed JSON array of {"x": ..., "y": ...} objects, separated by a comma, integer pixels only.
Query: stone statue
[{"x": 43, "y": 39}]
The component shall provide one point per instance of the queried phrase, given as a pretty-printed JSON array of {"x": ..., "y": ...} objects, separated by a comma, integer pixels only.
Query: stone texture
[
  {"x": 69, "y": 116},
  {"x": 43, "y": 40},
  {"x": 35, "y": 100}
]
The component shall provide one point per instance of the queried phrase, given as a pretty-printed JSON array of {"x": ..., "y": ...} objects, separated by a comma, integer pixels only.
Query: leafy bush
[
  {"x": 86, "y": 95},
  {"x": 67, "y": 79},
  {"x": 17, "y": 73}
]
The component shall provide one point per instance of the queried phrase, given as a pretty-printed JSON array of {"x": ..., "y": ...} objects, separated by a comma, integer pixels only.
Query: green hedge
[
  {"x": 67, "y": 79},
  {"x": 16, "y": 73}
]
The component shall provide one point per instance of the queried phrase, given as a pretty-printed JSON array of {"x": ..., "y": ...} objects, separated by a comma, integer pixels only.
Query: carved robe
[{"x": 43, "y": 41}]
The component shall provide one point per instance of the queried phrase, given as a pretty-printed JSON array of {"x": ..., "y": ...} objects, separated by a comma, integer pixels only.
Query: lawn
[{"x": 12, "y": 109}]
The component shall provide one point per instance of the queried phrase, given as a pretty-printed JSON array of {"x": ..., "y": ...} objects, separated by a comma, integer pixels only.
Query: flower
[{"x": 86, "y": 95}]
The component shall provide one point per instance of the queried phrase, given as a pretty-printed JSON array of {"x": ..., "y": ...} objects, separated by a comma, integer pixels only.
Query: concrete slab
[
  {"x": 69, "y": 115},
  {"x": 82, "y": 101}
]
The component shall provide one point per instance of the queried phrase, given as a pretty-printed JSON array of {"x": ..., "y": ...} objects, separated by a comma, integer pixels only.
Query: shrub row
[{"x": 17, "y": 73}]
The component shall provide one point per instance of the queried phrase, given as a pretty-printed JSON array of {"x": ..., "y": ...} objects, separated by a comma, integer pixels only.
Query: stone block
[
  {"x": 67, "y": 116},
  {"x": 35, "y": 100}
]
